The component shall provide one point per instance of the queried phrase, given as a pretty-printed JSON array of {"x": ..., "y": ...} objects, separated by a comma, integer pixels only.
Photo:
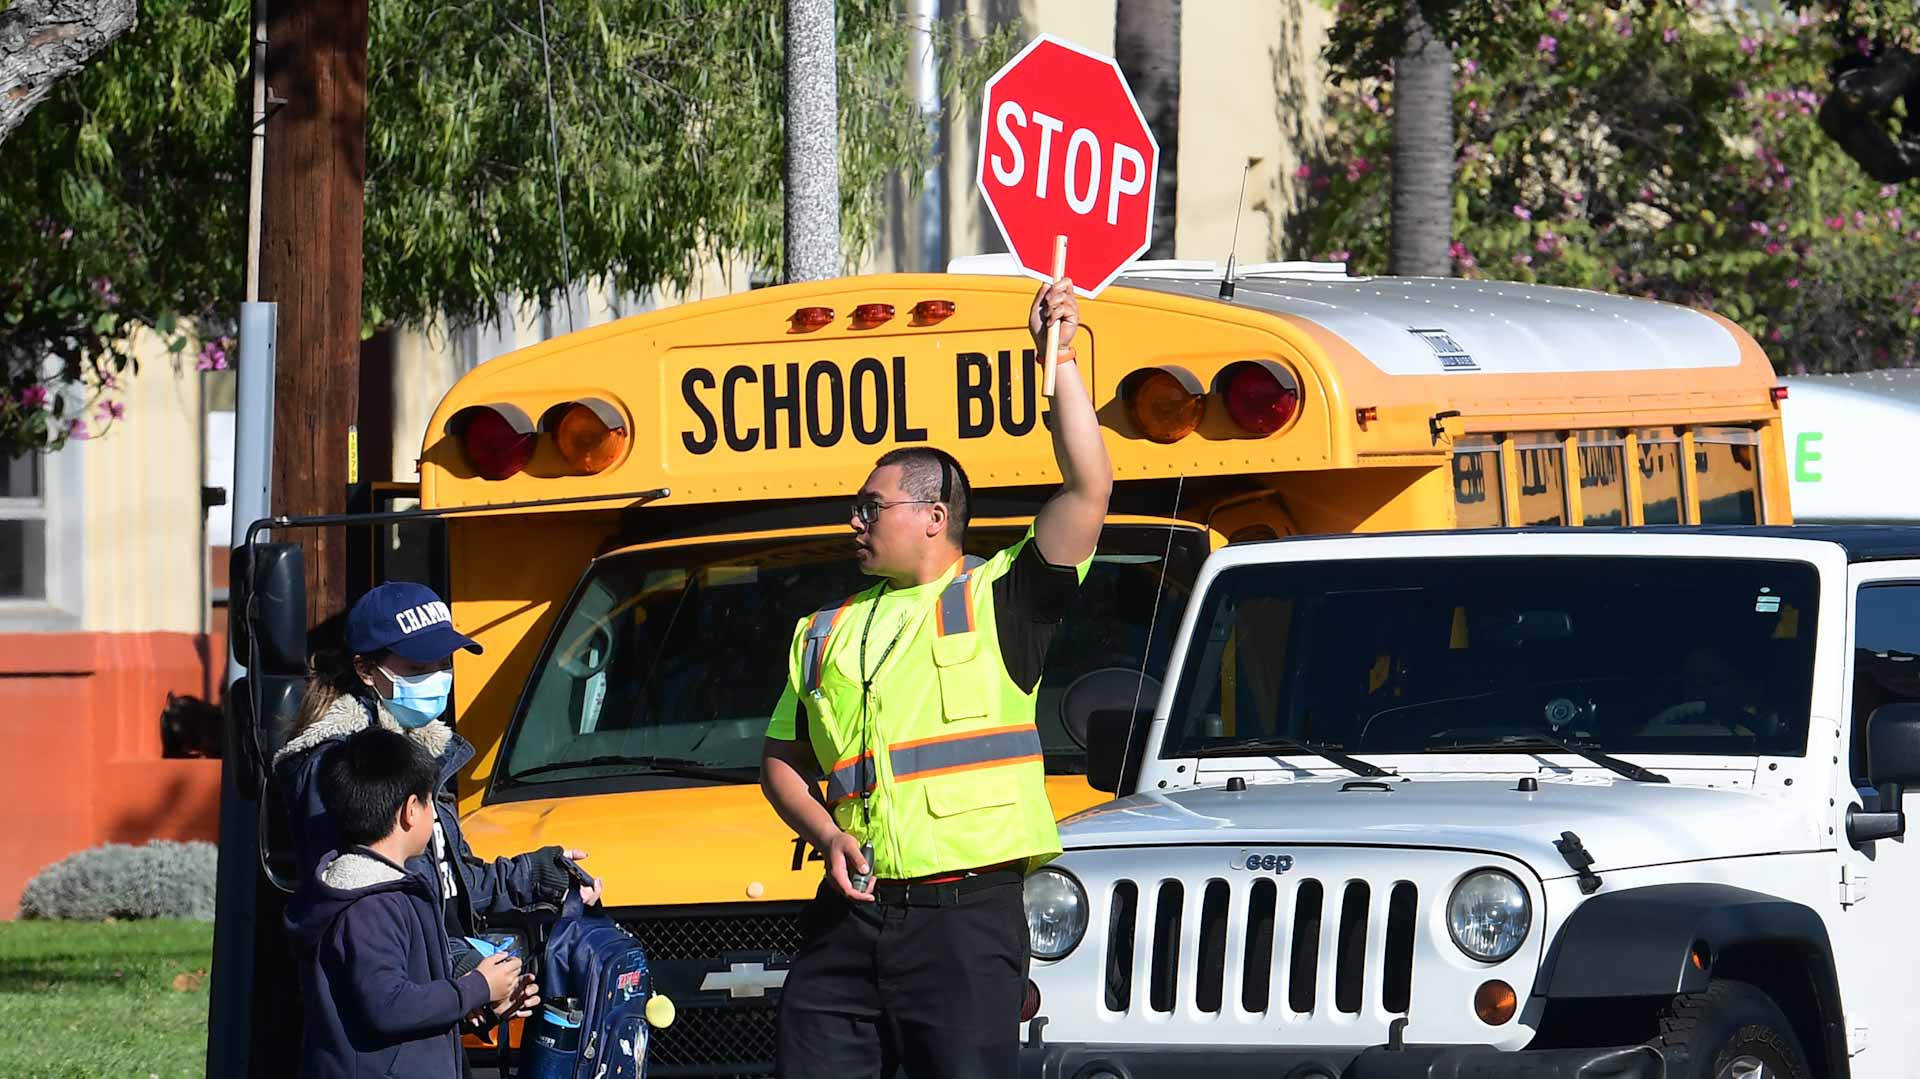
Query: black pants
[{"x": 929, "y": 986}]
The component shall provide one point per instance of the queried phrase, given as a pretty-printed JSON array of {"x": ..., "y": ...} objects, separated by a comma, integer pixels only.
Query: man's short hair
[
  {"x": 935, "y": 476},
  {"x": 367, "y": 778}
]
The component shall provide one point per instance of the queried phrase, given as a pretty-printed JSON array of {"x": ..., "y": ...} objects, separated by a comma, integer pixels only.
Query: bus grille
[
  {"x": 735, "y": 1039},
  {"x": 1290, "y": 949}
]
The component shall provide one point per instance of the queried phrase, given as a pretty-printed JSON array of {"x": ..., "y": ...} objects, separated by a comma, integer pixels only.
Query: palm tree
[
  {"x": 1422, "y": 221},
  {"x": 1146, "y": 42}
]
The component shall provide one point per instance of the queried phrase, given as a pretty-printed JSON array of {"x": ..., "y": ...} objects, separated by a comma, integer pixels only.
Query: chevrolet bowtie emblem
[{"x": 745, "y": 980}]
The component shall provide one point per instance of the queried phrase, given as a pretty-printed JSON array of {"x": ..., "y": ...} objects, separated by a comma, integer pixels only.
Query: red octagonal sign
[{"x": 1064, "y": 151}]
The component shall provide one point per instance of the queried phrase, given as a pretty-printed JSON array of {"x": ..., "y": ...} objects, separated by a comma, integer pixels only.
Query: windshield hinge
[
  {"x": 1853, "y": 886},
  {"x": 1579, "y": 861}
]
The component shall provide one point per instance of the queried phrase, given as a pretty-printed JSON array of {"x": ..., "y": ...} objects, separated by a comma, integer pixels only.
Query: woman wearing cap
[{"x": 397, "y": 671}]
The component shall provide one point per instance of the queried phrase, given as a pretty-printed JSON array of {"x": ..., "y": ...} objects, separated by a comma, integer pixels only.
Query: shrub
[{"x": 163, "y": 879}]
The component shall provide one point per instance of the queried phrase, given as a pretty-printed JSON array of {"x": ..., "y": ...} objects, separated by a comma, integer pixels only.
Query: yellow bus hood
[{"x": 690, "y": 845}]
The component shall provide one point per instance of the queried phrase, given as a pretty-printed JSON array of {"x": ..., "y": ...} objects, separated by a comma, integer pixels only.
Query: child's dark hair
[{"x": 367, "y": 778}]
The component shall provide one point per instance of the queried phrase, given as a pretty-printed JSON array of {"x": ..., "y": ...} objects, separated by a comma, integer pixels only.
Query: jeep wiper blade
[
  {"x": 1543, "y": 741},
  {"x": 1294, "y": 745},
  {"x": 659, "y": 766}
]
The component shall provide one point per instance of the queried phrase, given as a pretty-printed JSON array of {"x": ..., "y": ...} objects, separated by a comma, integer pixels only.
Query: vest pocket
[
  {"x": 974, "y": 815},
  {"x": 965, "y": 680}
]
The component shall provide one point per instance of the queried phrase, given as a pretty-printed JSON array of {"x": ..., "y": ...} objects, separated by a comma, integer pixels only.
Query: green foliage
[
  {"x": 1648, "y": 149},
  {"x": 162, "y": 879},
  {"x": 129, "y": 206}
]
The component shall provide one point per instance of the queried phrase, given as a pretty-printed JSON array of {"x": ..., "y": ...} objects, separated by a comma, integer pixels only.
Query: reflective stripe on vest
[
  {"x": 956, "y": 616},
  {"x": 937, "y": 756}
]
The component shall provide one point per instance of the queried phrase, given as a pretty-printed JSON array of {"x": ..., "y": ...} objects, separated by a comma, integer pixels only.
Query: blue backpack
[{"x": 593, "y": 960}]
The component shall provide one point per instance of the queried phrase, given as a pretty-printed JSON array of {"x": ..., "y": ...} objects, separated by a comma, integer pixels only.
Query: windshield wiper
[
  {"x": 1545, "y": 741},
  {"x": 659, "y": 766},
  {"x": 1294, "y": 745}
]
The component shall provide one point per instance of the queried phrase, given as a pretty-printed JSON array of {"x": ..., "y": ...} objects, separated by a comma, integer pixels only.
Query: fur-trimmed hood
[
  {"x": 349, "y": 715},
  {"x": 351, "y": 871}
]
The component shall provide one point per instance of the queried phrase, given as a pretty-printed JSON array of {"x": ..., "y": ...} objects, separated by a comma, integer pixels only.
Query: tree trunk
[
  {"x": 44, "y": 41},
  {"x": 1422, "y": 221},
  {"x": 1146, "y": 42},
  {"x": 813, "y": 144}
]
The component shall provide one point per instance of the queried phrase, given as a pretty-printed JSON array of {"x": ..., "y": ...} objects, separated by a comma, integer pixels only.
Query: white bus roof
[
  {"x": 1504, "y": 327},
  {"x": 1853, "y": 446}
]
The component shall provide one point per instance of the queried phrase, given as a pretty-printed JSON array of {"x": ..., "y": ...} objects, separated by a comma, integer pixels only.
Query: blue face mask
[{"x": 420, "y": 699}]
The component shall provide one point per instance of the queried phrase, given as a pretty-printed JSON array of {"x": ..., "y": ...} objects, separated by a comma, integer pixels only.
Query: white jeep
[{"x": 1578, "y": 803}]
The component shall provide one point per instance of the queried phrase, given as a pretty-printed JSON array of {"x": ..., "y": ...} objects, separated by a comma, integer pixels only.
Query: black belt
[{"x": 906, "y": 893}]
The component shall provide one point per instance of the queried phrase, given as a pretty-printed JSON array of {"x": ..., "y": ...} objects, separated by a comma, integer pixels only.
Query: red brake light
[
  {"x": 1779, "y": 394},
  {"x": 1258, "y": 399},
  {"x": 812, "y": 318},
  {"x": 932, "y": 310},
  {"x": 496, "y": 445},
  {"x": 872, "y": 314},
  {"x": 1030, "y": 1002}
]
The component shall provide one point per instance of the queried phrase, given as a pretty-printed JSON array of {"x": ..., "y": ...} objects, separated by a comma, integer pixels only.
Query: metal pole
[
  {"x": 925, "y": 63},
  {"x": 813, "y": 145},
  {"x": 232, "y": 994}
]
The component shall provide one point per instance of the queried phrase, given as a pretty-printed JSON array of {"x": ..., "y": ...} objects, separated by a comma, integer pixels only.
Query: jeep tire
[{"x": 1731, "y": 1031}]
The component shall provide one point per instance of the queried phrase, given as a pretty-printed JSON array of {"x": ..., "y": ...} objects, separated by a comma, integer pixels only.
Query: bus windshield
[
  {"x": 669, "y": 662},
  {"x": 1440, "y": 655}
]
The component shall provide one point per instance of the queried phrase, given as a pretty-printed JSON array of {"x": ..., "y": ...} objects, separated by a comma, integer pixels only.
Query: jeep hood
[{"x": 1624, "y": 825}]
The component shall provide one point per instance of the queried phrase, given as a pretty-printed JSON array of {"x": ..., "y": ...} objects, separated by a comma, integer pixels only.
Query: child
[{"x": 372, "y": 942}]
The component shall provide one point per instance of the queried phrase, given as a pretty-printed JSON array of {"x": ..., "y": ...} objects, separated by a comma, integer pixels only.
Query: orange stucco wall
[{"x": 80, "y": 758}]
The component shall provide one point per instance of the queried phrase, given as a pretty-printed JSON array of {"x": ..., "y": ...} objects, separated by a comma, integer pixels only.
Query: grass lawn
[{"x": 119, "y": 999}]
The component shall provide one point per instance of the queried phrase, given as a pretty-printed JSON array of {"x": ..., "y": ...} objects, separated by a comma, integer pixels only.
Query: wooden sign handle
[{"x": 1053, "y": 325}]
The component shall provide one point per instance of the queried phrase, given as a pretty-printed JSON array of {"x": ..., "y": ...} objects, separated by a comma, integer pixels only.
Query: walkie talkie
[{"x": 861, "y": 881}]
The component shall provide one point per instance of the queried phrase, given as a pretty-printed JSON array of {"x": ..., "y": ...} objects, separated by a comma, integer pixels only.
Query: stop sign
[{"x": 1064, "y": 151}]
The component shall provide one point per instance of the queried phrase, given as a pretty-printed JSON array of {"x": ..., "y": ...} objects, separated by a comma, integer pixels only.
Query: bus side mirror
[
  {"x": 267, "y": 608},
  {"x": 1893, "y": 764},
  {"x": 261, "y": 710}
]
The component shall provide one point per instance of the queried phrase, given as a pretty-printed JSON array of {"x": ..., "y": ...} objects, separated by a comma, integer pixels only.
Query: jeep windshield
[
  {"x": 1489, "y": 655},
  {"x": 667, "y": 664}
]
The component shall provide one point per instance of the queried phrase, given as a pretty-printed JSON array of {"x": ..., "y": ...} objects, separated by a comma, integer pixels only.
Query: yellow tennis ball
[{"x": 660, "y": 1011}]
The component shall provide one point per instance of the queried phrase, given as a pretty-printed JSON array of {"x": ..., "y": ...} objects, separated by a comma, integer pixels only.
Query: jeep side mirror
[
  {"x": 1893, "y": 763},
  {"x": 267, "y": 610},
  {"x": 1112, "y": 737}
]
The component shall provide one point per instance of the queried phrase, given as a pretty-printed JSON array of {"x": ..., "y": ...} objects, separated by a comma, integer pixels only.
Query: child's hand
[
  {"x": 502, "y": 972},
  {"x": 520, "y": 1003}
]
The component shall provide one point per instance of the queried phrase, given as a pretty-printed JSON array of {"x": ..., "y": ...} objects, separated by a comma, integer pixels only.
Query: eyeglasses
[{"x": 869, "y": 510}]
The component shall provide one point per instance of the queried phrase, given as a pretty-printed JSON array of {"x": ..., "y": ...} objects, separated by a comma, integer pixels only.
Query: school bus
[{"x": 705, "y": 456}]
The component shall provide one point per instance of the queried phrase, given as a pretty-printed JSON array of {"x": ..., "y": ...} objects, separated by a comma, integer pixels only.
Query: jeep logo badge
[{"x": 1255, "y": 862}]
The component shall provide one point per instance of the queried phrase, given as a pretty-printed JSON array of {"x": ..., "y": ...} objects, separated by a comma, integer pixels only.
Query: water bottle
[{"x": 553, "y": 1044}]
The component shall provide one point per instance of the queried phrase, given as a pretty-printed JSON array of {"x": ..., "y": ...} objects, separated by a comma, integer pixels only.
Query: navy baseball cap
[{"x": 410, "y": 620}]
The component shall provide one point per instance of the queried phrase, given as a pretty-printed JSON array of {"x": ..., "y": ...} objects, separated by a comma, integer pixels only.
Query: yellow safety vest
[{"x": 943, "y": 747}]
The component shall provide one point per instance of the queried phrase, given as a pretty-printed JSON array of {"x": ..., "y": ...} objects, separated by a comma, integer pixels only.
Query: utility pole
[
  {"x": 311, "y": 215},
  {"x": 813, "y": 143},
  {"x": 299, "y": 382}
]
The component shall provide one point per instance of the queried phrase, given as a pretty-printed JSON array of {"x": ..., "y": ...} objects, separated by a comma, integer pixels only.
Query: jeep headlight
[
  {"x": 1489, "y": 915},
  {"x": 1056, "y": 913}
]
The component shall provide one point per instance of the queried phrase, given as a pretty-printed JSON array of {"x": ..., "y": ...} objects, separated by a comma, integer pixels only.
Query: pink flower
[
  {"x": 103, "y": 288},
  {"x": 1549, "y": 44},
  {"x": 77, "y": 430},
  {"x": 1859, "y": 218},
  {"x": 1774, "y": 248},
  {"x": 1887, "y": 191},
  {"x": 111, "y": 410},
  {"x": 1749, "y": 46},
  {"x": 1894, "y": 217},
  {"x": 1341, "y": 255},
  {"x": 1672, "y": 35},
  {"x": 1303, "y": 172},
  {"x": 1774, "y": 335},
  {"x": 1625, "y": 28},
  {"x": 1760, "y": 227},
  {"x": 1469, "y": 65},
  {"x": 1793, "y": 282},
  {"x": 1646, "y": 194},
  {"x": 66, "y": 237},
  {"x": 1558, "y": 14},
  {"x": 1836, "y": 223},
  {"x": 1522, "y": 212},
  {"x": 34, "y": 397},
  {"x": 1523, "y": 260}
]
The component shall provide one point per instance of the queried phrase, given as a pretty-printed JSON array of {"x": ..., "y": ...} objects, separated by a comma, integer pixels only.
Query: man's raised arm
[{"x": 1068, "y": 526}]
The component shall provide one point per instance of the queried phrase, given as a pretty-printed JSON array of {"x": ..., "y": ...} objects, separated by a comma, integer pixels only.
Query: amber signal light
[
  {"x": 1495, "y": 1003},
  {"x": 872, "y": 314},
  {"x": 591, "y": 435},
  {"x": 932, "y": 310},
  {"x": 1165, "y": 403}
]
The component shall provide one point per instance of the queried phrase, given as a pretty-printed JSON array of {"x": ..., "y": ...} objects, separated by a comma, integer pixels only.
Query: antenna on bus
[{"x": 1226, "y": 283}]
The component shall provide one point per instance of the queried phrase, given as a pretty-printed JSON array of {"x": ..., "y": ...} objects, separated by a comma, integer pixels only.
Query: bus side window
[
  {"x": 1886, "y": 657},
  {"x": 1726, "y": 465},
  {"x": 1479, "y": 497}
]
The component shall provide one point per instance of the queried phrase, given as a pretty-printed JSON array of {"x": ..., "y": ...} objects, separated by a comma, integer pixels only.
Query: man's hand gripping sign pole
[{"x": 1067, "y": 167}]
